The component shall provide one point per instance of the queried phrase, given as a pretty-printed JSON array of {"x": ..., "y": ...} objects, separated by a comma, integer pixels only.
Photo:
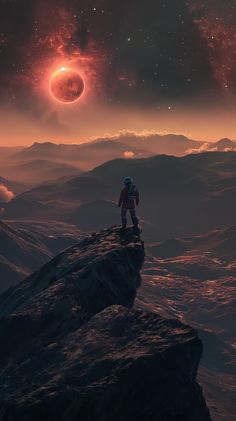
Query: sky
[{"x": 163, "y": 65}]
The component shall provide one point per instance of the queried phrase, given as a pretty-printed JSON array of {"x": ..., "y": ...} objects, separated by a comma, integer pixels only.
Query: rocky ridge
[{"x": 73, "y": 347}]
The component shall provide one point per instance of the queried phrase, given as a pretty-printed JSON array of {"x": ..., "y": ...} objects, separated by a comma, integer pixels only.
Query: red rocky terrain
[{"x": 194, "y": 280}]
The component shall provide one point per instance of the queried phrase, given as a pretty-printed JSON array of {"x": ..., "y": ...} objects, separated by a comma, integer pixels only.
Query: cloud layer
[{"x": 209, "y": 147}]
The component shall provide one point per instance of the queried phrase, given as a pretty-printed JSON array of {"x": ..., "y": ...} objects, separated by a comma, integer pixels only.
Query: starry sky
[{"x": 136, "y": 57}]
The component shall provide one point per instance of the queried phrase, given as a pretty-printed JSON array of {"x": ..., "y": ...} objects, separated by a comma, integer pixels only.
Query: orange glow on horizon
[{"x": 87, "y": 120}]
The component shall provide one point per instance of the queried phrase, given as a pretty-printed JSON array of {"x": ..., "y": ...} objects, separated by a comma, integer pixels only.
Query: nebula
[
  {"x": 218, "y": 31},
  {"x": 163, "y": 67},
  {"x": 54, "y": 42}
]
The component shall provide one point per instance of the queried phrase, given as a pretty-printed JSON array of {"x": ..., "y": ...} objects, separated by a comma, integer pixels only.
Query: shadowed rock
[
  {"x": 69, "y": 352},
  {"x": 103, "y": 269}
]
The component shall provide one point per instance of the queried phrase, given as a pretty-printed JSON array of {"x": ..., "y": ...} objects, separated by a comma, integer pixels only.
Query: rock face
[{"x": 72, "y": 348}]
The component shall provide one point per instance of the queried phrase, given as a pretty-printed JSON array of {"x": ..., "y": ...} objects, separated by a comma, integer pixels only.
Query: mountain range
[
  {"x": 14, "y": 186},
  {"x": 179, "y": 195},
  {"x": 108, "y": 148},
  {"x": 187, "y": 214},
  {"x": 86, "y": 156}
]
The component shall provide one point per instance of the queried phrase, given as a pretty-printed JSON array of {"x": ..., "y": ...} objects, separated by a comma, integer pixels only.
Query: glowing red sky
[
  {"x": 168, "y": 67},
  {"x": 60, "y": 51},
  {"x": 58, "y": 27}
]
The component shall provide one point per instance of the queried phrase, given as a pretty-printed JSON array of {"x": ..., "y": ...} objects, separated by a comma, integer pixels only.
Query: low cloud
[
  {"x": 208, "y": 147},
  {"x": 129, "y": 154},
  {"x": 205, "y": 147},
  {"x": 136, "y": 134},
  {"x": 230, "y": 149},
  {"x": 5, "y": 194}
]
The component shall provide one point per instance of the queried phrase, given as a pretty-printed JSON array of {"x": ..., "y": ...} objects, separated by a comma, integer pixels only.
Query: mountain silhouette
[{"x": 179, "y": 196}]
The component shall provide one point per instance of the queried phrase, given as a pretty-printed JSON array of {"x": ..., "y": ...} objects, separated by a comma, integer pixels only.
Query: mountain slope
[
  {"x": 193, "y": 279},
  {"x": 154, "y": 143},
  {"x": 36, "y": 171},
  {"x": 14, "y": 186},
  {"x": 197, "y": 191},
  {"x": 225, "y": 144},
  {"x": 86, "y": 155},
  {"x": 169, "y": 144},
  {"x": 91, "y": 358},
  {"x": 25, "y": 247}
]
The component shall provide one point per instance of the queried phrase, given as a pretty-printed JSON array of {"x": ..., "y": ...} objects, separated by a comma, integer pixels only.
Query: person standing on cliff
[{"x": 129, "y": 198}]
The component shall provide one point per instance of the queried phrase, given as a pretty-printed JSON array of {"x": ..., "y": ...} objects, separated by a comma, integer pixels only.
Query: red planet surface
[{"x": 66, "y": 85}]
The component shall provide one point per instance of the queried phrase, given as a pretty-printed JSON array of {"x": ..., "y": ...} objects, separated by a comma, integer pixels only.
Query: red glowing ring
[{"x": 66, "y": 85}]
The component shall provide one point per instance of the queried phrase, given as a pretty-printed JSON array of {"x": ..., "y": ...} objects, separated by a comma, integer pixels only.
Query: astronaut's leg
[
  {"x": 123, "y": 217},
  {"x": 134, "y": 217}
]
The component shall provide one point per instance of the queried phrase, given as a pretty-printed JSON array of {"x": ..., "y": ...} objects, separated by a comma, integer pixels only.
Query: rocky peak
[
  {"x": 43, "y": 146},
  {"x": 101, "y": 270},
  {"x": 92, "y": 356}
]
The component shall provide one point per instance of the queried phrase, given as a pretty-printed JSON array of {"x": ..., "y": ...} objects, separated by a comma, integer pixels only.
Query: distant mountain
[
  {"x": 25, "y": 246},
  {"x": 224, "y": 145},
  {"x": 85, "y": 156},
  {"x": 179, "y": 196},
  {"x": 95, "y": 215},
  {"x": 6, "y": 151},
  {"x": 37, "y": 171},
  {"x": 13, "y": 185},
  {"x": 172, "y": 144},
  {"x": 169, "y": 144},
  {"x": 37, "y": 151},
  {"x": 27, "y": 208},
  {"x": 89, "y": 153}
]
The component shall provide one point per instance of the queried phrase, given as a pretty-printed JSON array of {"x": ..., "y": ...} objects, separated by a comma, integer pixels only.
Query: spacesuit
[{"x": 129, "y": 198}]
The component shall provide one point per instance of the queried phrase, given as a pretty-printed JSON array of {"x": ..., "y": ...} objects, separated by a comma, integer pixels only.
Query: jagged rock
[
  {"x": 68, "y": 352},
  {"x": 103, "y": 269}
]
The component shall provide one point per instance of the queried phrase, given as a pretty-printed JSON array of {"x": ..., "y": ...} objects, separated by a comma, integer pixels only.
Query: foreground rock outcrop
[{"x": 72, "y": 348}]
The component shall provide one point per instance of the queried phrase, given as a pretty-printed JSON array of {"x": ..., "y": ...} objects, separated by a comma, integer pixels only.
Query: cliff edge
[{"x": 73, "y": 348}]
